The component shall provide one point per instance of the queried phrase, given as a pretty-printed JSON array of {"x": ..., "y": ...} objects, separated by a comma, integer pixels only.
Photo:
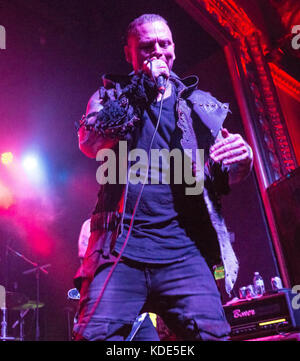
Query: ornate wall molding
[
  {"x": 273, "y": 128},
  {"x": 226, "y": 17},
  {"x": 285, "y": 82}
]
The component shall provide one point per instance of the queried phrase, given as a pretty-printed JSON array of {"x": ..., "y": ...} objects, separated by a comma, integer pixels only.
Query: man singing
[{"x": 153, "y": 244}]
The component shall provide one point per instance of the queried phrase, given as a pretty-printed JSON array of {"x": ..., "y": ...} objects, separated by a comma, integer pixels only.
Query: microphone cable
[{"x": 130, "y": 225}]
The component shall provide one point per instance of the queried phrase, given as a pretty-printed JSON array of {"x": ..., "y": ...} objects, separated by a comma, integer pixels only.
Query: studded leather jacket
[{"x": 200, "y": 117}]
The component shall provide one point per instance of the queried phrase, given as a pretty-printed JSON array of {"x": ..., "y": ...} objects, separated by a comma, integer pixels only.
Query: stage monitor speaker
[{"x": 284, "y": 196}]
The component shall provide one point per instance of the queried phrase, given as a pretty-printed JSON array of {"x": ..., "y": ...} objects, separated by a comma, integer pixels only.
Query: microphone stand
[{"x": 37, "y": 269}]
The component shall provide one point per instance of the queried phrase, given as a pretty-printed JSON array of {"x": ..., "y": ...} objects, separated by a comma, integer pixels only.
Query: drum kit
[{"x": 15, "y": 301}]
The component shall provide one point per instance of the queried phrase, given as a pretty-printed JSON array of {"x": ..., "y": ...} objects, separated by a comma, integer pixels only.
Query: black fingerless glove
[{"x": 122, "y": 108}]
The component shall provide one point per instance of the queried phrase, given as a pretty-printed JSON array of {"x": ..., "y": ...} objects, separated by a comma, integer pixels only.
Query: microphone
[
  {"x": 161, "y": 83},
  {"x": 161, "y": 80}
]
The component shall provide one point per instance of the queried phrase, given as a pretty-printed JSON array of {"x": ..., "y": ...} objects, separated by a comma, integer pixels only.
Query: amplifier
[{"x": 268, "y": 315}]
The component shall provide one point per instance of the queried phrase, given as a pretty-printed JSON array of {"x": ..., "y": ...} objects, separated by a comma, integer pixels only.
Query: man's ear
[
  {"x": 127, "y": 54},
  {"x": 174, "y": 51}
]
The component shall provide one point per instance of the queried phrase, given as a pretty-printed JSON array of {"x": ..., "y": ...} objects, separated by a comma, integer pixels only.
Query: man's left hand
[{"x": 231, "y": 149}]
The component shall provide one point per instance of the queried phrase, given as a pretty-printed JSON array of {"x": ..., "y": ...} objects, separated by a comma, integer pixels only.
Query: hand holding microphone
[
  {"x": 161, "y": 83},
  {"x": 158, "y": 70}
]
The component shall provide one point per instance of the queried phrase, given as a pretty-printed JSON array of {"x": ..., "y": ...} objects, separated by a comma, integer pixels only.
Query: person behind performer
[
  {"x": 153, "y": 244},
  {"x": 83, "y": 239}
]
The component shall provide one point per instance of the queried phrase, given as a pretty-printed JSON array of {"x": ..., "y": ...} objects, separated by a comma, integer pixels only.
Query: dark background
[{"x": 56, "y": 53}]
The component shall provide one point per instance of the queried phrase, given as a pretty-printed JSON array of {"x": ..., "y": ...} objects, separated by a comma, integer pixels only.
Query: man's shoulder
[
  {"x": 110, "y": 80},
  {"x": 207, "y": 102},
  {"x": 193, "y": 93},
  {"x": 201, "y": 96},
  {"x": 109, "y": 83}
]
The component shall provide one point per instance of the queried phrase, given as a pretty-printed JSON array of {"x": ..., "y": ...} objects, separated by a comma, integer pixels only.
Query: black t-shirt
[{"x": 166, "y": 223}]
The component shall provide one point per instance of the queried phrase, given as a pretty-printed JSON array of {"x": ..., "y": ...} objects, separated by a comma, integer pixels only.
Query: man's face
[{"x": 152, "y": 40}]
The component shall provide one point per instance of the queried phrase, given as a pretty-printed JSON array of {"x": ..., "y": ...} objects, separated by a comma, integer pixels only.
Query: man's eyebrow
[{"x": 150, "y": 41}]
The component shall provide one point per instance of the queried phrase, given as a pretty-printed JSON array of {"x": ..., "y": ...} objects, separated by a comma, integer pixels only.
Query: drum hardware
[
  {"x": 69, "y": 312},
  {"x": 15, "y": 299},
  {"x": 16, "y": 302},
  {"x": 29, "y": 305},
  {"x": 4, "y": 336},
  {"x": 20, "y": 321},
  {"x": 3, "y": 307},
  {"x": 37, "y": 269},
  {"x": 23, "y": 310}
]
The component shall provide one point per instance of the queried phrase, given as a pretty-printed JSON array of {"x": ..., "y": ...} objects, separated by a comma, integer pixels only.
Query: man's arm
[
  {"x": 233, "y": 152},
  {"x": 90, "y": 141}
]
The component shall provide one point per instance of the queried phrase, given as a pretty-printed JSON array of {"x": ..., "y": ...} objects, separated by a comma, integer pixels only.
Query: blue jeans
[{"x": 184, "y": 294}]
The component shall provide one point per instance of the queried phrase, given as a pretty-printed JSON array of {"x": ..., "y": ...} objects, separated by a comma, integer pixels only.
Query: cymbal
[
  {"x": 14, "y": 299},
  {"x": 30, "y": 304}
]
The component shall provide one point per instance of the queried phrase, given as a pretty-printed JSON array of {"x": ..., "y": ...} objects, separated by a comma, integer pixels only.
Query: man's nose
[{"x": 157, "y": 50}]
